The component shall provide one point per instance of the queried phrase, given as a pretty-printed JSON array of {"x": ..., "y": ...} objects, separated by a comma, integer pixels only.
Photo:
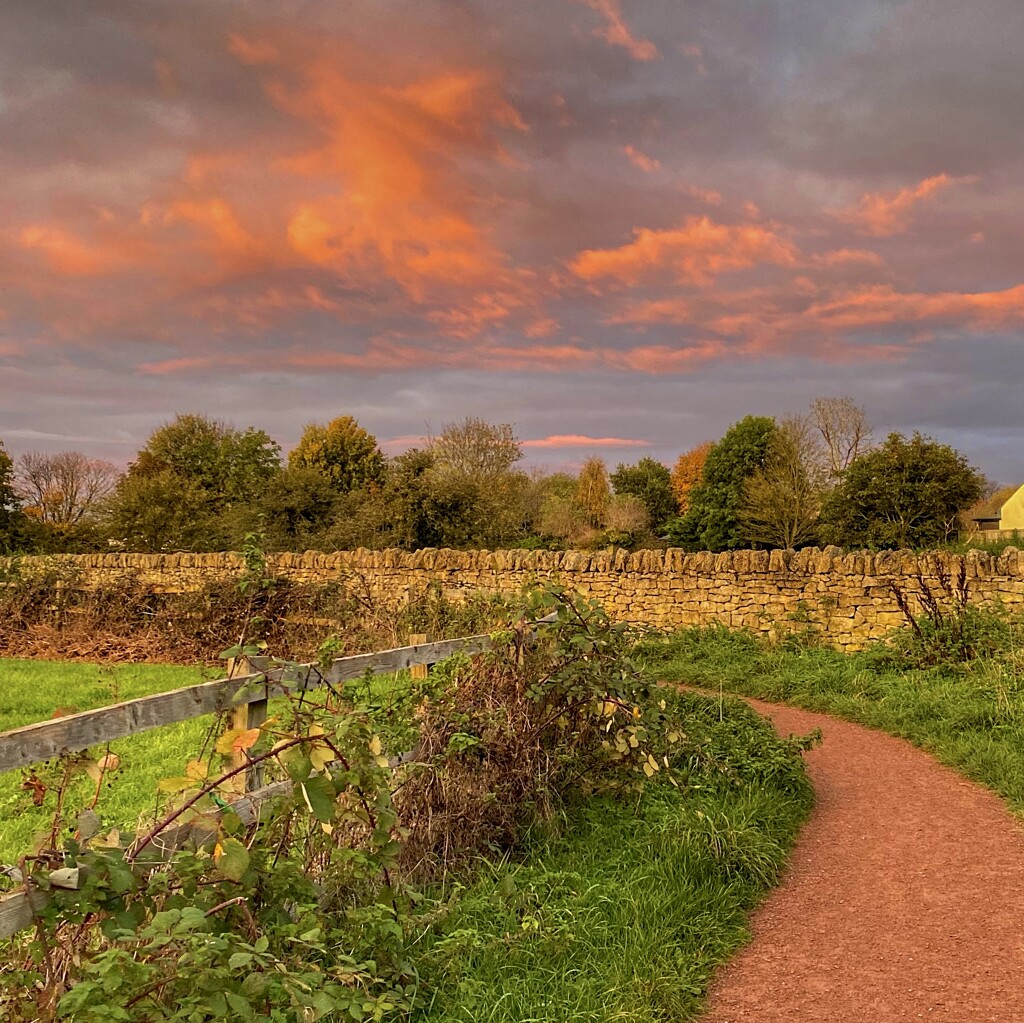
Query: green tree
[
  {"x": 712, "y": 519},
  {"x": 162, "y": 511},
  {"x": 299, "y": 506},
  {"x": 226, "y": 465},
  {"x": 198, "y": 479},
  {"x": 342, "y": 451},
  {"x": 651, "y": 483},
  {"x": 10, "y": 509},
  {"x": 906, "y": 493}
]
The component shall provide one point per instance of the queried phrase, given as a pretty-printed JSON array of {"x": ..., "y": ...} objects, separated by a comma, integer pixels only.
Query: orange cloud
[
  {"x": 638, "y": 159},
  {"x": 66, "y": 253},
  {"x": 576, "y": 440},
  {"x": 886, "y": 213},
  {"x": 399, "y": 208},
  {"x": 881, "y": 305},
  {"x": 694, "y": 253},
  {"x": 837, "y": 257},
  {"x": 617, "y": 33}
]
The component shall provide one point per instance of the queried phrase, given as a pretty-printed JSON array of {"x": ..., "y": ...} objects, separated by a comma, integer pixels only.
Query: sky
[{"x": 620, "y": 225}]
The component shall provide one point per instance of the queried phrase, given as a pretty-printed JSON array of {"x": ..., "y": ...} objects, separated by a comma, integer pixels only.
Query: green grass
[
  {"x": 626, "y": 915},
  {"x": 969, "y": 716},
  {"x": 33, "y": 690},
  {"x": 620, "y": 911}
]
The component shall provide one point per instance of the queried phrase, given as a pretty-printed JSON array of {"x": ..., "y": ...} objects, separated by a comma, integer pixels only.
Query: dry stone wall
[{"x": 848, "y": 597}]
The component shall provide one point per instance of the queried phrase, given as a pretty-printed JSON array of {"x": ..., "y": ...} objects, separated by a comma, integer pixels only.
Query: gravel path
[{"x": 904, "y": 899}]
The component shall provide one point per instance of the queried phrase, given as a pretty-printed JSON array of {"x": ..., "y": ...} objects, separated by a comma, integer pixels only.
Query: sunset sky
[{"x": 619, "y": 224}]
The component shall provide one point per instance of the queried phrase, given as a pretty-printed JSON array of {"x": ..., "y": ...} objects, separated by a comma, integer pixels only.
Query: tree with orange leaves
[{"x": 687, "y": 472}]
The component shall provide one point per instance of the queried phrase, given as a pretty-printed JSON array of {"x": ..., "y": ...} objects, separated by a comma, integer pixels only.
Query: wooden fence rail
[
  {"x": 244, "y": 695},
  {"x": 31, "y": 744}
]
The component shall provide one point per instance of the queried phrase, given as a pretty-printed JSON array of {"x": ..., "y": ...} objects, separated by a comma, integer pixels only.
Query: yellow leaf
[
  {"x": 197, "y": 770},
  {"x": 382, "y": 761},
  {"x": 316, "y": 728},
  {"x": 654, "y": 765},
  {"x": 648, "y": 770},
  {"x": 92, "y": 768},
  {"x": 375, "y": 746},
  {"x": 109, "y": 762},
  {"x": 320, "y": 756},
  {"x": 608, "y": 708},
  {"x": 245, "y": 740}
]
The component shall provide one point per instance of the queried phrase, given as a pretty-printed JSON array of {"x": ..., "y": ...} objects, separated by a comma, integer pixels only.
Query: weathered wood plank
[
  {"x": 47, "y": 739},
  {"x": 18, "y": 909}
]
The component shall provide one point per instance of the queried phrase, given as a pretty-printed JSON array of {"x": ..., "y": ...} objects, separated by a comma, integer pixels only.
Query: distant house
[{"x": 1003, "y": 512}]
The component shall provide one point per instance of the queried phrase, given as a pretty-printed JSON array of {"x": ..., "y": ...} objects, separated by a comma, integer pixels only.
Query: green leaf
[
  {"x": 232, "y": 858},
  {"x": 319, "y": 795},
  {"x": 239, "y": 959},
  {"x": 297, "y": 763}
]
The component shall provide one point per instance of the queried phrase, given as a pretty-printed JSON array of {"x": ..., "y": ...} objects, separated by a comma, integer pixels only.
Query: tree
[
  {"x": 844, "y": 430},
  {"x": 593, "y": 492},
  {"x": 10, "y": 510},
  {"x": 474, "y": 447},
  {"x": 60, "y": 490},
  {"x": 906, "y": 493},
  {"x": 650, "y": 482},
  {"x": 712, "y": 520},
  {"x": 226, "y": 465},
  {"x": 686, "y": 473},
  {"x": 342, "y": 451},
  {"x": 300, "y": 505},
  {"x": 782, "y": 499},
  {"x": 161, "y": 511}
]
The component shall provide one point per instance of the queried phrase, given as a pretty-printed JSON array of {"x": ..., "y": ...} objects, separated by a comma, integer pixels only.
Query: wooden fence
[{"x": 244, "y": 695}]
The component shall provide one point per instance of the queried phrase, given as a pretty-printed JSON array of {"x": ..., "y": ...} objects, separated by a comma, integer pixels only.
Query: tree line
[{"x": 200, "y": 484}]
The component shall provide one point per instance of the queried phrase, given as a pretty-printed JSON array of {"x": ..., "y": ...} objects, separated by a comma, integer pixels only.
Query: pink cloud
[
  {"x": 882, "y": 214},
  {"x": 639, "y": 159},
  {"x": 694, "y": 253},
  {"x": 576, "y": 440},
  {"x": 617, "y": 33}
]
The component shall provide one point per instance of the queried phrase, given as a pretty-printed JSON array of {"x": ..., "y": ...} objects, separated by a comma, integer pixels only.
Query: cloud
[
  {"x": 694, "y": 253},
  {"x": 638, "y": 159},
  {"x": 617, "y": 33},
  {"x": 575, "y": 440},
  {"x": 883, "y": 214}
]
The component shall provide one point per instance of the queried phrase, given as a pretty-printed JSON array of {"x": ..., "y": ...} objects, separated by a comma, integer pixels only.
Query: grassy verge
[
  {"x": 969, "y": 715},
  {"x": 626, "y": 915}
]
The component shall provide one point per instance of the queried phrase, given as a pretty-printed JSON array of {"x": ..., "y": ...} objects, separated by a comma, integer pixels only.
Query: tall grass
[
  {"x": 626, "y": 913},
  {"x": 968, "y": 714}
]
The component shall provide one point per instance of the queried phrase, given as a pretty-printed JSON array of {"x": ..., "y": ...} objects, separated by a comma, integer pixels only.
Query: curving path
[{"x": 904, "y": 898}]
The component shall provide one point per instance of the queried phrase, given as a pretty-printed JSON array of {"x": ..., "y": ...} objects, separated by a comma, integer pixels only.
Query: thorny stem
[{"x": 209, "y": 787}]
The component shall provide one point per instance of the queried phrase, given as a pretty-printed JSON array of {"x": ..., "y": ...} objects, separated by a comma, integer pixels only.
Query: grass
[
  {"x": 625, "y": 916},
  {"x": 618, "y": 911},
  {"x": 969, "y": 715},
  {"x": 33, "y": 690}
]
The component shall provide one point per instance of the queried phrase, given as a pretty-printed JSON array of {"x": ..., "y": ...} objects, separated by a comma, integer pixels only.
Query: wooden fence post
[
  {"x": 417, "y": 670},
  {"x": 243, "y": 718}
]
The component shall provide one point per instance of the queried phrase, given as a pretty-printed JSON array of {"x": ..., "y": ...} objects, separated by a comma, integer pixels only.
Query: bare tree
[
  {"x": 844, "y": 429},
  {"x": 782, "y": 499},
  {"x": 475, "y": 448},
  {"x": 61, "y": 489}
]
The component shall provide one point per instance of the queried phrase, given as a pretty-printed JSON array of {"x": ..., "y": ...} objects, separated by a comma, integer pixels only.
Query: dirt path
[{"x": 904, "y": 899}]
